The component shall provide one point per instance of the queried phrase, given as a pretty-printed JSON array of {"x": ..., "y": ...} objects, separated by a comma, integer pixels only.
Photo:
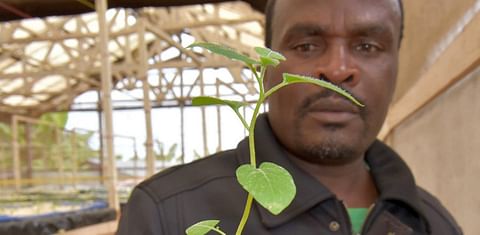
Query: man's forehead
[
  {"x": 394, "y": 4},
  {"x": 367, "y": 9},
  {"x": 336, "y": 17}
]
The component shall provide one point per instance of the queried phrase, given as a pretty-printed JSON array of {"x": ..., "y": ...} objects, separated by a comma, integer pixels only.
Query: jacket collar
[
  {"x": 392, "y": 176},
  {"x": 309, "y": 191}
]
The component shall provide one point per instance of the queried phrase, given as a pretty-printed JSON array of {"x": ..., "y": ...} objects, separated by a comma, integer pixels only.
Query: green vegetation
[
  {"x": 46, "y": 146},
  {"x": 270, "y": 184},
  {"x": 167, "y": 156}
]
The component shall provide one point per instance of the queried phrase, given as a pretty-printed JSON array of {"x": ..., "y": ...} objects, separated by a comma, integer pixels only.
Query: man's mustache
[{"x": 324, "y": 94}]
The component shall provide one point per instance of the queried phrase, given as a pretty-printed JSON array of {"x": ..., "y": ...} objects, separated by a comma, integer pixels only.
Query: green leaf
[
  {"x": 292, "y": 78},
  {"x": 225, "y": 51},
  {"x": 270, "y": 184},
  {"x": 202, "y": 227},
  {"x": 265, "y": 61},
  {"x": 266, "y": 52},
  {"x": 208, "y": 100}
]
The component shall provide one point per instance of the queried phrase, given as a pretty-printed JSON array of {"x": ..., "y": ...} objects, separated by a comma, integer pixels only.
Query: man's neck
[{"x": 352, "y": 182}]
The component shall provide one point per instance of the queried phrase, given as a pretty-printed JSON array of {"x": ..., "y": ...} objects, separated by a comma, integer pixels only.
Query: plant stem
[
  {"x": 246, "y": 213},
  {"x": 218, "y": 231},
  {"x": 251, "y": 142},
  {"x": 242, "y": 119},
  {"x": 274, "y": 89},
  {"x": 260, "y": 77},
  {"x": 251, "y": 131},
  {"x": 254, "y": 71},
  {"x": 260, "y": 83}
]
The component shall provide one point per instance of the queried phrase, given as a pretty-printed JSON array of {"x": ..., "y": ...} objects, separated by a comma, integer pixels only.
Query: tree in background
[{"x": 167, "y": 156}]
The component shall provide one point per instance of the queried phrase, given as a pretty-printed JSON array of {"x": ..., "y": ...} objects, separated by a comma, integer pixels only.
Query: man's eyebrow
[
  {"x": 371, "y": 30},
  {"x": 305, "y": 29}
]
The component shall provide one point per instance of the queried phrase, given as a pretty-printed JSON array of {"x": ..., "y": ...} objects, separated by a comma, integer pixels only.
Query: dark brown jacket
[{"x": 172, "y": 200}]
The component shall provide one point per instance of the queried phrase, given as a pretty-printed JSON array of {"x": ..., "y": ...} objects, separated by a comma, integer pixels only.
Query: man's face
[{"x": 351, "y": 43}]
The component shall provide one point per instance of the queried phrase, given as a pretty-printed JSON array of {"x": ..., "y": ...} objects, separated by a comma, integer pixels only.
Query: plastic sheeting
[{"x": 55, "y": 222}]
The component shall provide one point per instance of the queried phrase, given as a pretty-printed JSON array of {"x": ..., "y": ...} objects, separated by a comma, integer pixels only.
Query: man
[{"x": 347, "y": 181}]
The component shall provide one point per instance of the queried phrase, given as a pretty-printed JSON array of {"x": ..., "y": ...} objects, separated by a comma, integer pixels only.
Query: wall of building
[{"x": 441, "y": 144}]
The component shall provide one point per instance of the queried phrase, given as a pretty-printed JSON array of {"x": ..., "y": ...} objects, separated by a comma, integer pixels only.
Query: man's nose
[{"x": 336, "y": 66}]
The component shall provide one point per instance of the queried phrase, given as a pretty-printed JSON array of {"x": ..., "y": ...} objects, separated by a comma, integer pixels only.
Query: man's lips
[{"x": 333, "y": 110}]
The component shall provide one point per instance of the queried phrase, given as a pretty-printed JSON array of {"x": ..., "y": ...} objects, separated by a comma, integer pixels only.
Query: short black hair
[{"x": 269, "y": 15}]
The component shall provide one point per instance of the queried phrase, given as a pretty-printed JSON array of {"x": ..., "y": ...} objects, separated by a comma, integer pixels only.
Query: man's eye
[
  {"x": 305, "y": 47},
  {"x": 367, "y": 48}
]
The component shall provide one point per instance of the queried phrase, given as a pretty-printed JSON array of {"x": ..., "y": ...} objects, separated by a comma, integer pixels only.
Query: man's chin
[
  {"x": 332, "y": 143},
  {"x": 332, "y": 151}
]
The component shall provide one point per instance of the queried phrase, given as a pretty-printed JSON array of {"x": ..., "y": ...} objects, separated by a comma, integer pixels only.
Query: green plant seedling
[
  {"x": 204, "y": 227},
  {"x": 270, "y": 184},
  {"x": 280, "y": 189}
]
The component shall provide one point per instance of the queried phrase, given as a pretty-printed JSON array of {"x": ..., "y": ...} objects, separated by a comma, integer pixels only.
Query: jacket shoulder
[
  {"x": 437, "y": 215},
  {"x": 189, "y": 176}
]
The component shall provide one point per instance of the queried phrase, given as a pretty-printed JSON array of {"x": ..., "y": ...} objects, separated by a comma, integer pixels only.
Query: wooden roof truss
[{"x": 46, "y": 63}]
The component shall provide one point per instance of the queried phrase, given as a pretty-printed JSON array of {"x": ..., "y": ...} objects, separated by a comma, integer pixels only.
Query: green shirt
[{"x": 357, "y": 218}]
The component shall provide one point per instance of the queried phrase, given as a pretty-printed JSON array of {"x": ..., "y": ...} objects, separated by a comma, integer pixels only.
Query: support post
[
  {"x": 147, "y": 106},
  {"x": 101, "y": 156},
  {"x": 16, "y": 153},
  {"x": 135, "y": 161},
  {"x": 59, "y": 153},
  {"x": 2, "y": 165},
  {"x": 106, "y": 75},
  {"x": 182, "y": 118},
  {"x": 204, "y": 123},
  {"x": 29, "y": 150},
  {"x": 74, "y": 157}
]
